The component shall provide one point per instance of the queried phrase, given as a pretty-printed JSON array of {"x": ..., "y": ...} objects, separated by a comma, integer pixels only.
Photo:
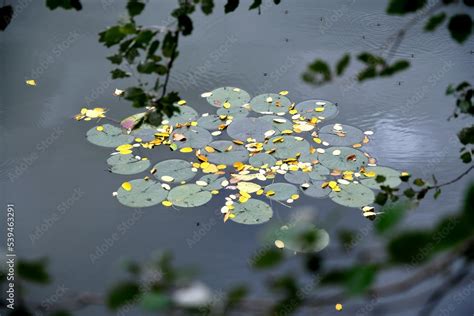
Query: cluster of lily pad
[{"x": 257, "y": 150}]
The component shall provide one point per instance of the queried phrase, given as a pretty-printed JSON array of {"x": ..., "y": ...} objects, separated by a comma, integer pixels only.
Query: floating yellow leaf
[
  {"x": 226, "y": 105},
  {"x": 186, "y": 150},
  {"x": 31, "y": 82},
  {"x": 248, "y": 187},
  {"x": 100, "y": 128},
  {"x": 279, "y": 244},
  {"x": 127, "y": 186},
  {"x": 319, "y": 109},
  {"x": 166, "y": 203},
  {"x": 284, "y": 92},
  {"x": 338, "y": 307},
  {"x": 181, "y": 102},
  {"x": 167, "y": 178}
]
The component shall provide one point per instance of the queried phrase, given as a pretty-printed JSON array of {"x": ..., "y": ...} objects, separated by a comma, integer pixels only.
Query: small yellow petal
[
  {"x": 186, "y": 150},
  {"x": 31, "y": 82},
  {"x": 127, "y": 186},
  {"x": 100, "y": 128},
  {"x": 166, "y": 203}
]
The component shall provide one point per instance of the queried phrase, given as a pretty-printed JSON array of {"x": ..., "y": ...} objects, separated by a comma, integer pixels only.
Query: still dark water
[{"x": 258, "y": 53}]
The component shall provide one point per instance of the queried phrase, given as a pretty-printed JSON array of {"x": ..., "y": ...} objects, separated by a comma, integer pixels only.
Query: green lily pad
[
  {"x": 277, "y": 124},
  {"x": 196, "y": 137},
  {"x": 210, "y": 122},
  {"x": 111, "y": 136},
  {"x": 144, "y": 193},
  {"x": 214, "y": 182},
  {"x": 221, "y": 156},
  {"x": 189, "y": 195},
  {"x": 278, "y": 103},
  {"x": 392, "y": 177},
  {"x": 252, "y": 212},
  {"x": 319, "y": 172},
  {"x": 249, "y": 127},
  {"x": 235, "y": 112},
  {"x": 307, "y": 109},
  {"x": 352, "y": 135},
  {"x": 341, "y": 161},
  {"x": 261, "y": 159},
  {"x": 353, "y": 195},
  {"x": 235, "y": 96},
  {"x": 316, "y": 191},
  {"x": 297, "y": 177},
  {"x": 179, "y": 170},
  {"x": 186, "y": 114},
  {"x": 127, "y": 164},
  {"x": 288, "y": 148},
  {"x": 146, "y": 132},
  {"x": 302, "y": 237},
  {"x": 283, "y": 191}
]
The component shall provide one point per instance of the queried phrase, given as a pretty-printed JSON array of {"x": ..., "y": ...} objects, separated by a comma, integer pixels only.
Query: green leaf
[
  {"x": 115, "y": 59},
  {"x": 468, "y": 210},
  {"x": 267, "y": 258},
  {"x": 451, "y": 231},
  {"x": 169, "y": 44},
  {"x": 392, "y": 214},
  {"x": 135, "y": 7},
  {"x": 318, "y": 73},
  {"x": 412, "y": 247},
  {"x": 435, "y": 21},
  {"x": 235, "y": 296},
  {"x": 460, "y": 27},
  {"x": 255, "y": 4},
  {"x": 119, "y": 74},
  {"x": 360, "y": 278},
  {"x": 185, "y": 24},
  {"x": 466, "y": 135},
  {"x": 342, "y": 64},
  {"x": 231, "y": 5},
  {"x": 207, "y": 6},
  {"x": 65, "y": 4},
  {"x": 137, "y": 96},
  {"x": 381, "y": 198},
  {"x": 419, "y": 182},
  {"x": 6, "y": 15},
  {"x": 402, "y": 7},
  {"x": 112, "y": 36},
  {"x": 122, "y": 294},
  {"x": 398, "y": 66},
  {"x": 33, "y": 271},
  {"x": 409, "y": 193},
  {"x": 155, "y": 301}
]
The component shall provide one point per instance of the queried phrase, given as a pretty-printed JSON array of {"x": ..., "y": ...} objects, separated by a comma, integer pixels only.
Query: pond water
[{"x": 59, "y": 183}]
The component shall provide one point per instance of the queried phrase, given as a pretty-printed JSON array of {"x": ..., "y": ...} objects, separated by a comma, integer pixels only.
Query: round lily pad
[
  {"x": 110, "y": 136},
  {"x": 353, "y": 195},
  {"x": 214, "y": 182},
  {"x": 269, "y": 103},
  {"x": 127, "y": 164},
  {"x": 210, "y": 122},
  {"x": 392, "y": 177},
  {"x": 309, "y": 157},
  {"x": 287, "y": 146},
  {"x": 252, "y": 212},
  {"x": 307, "y": 109},
  {"x": 179, "y": 170},
  {"x": 249, "y": 127},
  {"x": 297, "y": 177},
  {"x": 235, "y": 96},
  {"x": 348, "y": 159},
  {"x": 279, "y": 123},
  {"x": 146, "y": 132},
  {"x": 261, "y": 159},
  {"x": 315, "y": 190},
  {"x": 319, "y": 172},
  {"x": 341, "y": 135},
  {"x": 223, "y": 155},
  {"x": 283, "y": 191},
  {"x": 144, "y": 193},
  {"x": 189, "y": 195},
  {"x": 235, "y": 112},
  {"x": 194, "y": 136},
  {"x": 302, "y": 237},
  {"x": 186, "y": 114}
]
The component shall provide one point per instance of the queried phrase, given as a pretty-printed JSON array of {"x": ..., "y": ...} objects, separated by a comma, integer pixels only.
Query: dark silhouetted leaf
[
  {"x": 155, "y": 301},
  {"x": 33, "y": 271},
  {"x": 267, "y": 258},
  {"x": 255, "y": 4},
  {"x": 135, "y": 7},
  {"x": 381, "y": 198},
  {"x": 435, "y": 21},
  {"x": 119, "y": 73},
  {"x": 207, "y": 6},
  {"x": 6, "y": 14},
  {"x": 112, "y": 36},
  {"x": 413, "y": 247},
  {"x": 231, "y": 5},
  {"x": 404, "y": 6},
  {"x": 460, "y": 27},
  {"x": 391, "y": 215},
  {"x": 466, "y": 135},
  {"x": 342, "y": 64},
  {"x": 122, "y": 294},
  {"x": 65, "y": 4}
]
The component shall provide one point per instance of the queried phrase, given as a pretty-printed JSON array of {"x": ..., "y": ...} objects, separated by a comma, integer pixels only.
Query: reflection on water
[{"x": 259, "y": 53}]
